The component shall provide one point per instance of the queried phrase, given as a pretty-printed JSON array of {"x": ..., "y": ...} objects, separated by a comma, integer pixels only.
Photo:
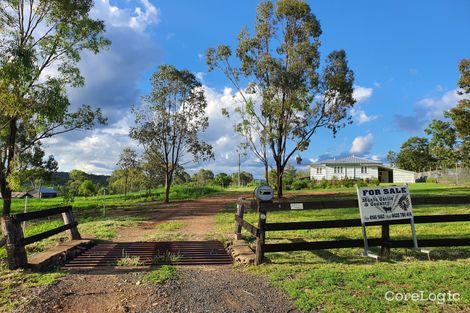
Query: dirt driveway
[{"x": 197, "y": 289}]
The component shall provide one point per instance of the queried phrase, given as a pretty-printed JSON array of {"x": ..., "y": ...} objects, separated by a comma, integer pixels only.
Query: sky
[{"x": 404, "y": 55}]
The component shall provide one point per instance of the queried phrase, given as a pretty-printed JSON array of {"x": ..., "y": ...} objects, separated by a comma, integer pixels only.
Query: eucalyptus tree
[
  {"x": 280, "y": 61},
  {"x": 127, "y": 162},
  {"x": 442, "y": 143},
  {"x": 460, "y": 114},
  {"x": 170, "y": 120},
  {"x": 40, "y": 45}
]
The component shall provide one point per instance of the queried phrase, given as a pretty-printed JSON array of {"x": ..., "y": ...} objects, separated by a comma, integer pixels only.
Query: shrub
[
  {"x": 324, "y": 183},
  {"x": 361, "y": 183},
  {"x": 374, "y": 182},
  {"x": 300, "y": 184},
  {"x": 348, "y": 183}
]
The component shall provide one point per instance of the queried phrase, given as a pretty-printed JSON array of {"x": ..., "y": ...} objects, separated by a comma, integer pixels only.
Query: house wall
[
  {"x": 349, "y": 171},
  {"x": 402, "y": 176},
  {"x": 314, "y": 175}
]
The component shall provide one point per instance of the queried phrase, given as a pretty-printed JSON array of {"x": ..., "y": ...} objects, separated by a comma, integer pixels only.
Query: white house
[{"x": 359, "y": 168}]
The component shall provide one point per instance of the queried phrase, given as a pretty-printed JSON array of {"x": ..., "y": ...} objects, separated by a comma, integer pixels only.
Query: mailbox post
[{"x": 263, "y": 194}]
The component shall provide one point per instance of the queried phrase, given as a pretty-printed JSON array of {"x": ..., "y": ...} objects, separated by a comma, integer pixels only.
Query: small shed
[
  {"x": 20, "y": 194},
  {"x": 43, "y": 192},
  {"x": 403, "y": 176}
]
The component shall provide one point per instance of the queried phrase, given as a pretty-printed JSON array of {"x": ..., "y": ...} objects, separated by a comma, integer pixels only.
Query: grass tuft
[
  {"x": 161, "y": 275},
  {"x": 128, "y": 260}
]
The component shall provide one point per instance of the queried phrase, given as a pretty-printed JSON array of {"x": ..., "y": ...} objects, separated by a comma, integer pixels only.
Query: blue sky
[{"x": 404, "y": 55}]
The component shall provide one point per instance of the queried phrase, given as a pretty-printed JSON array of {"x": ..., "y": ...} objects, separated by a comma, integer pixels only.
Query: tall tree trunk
[
  {"x": 125, "y": 188},
  {"x": 266, "y": 172},
  {"x": 279, "y": 174},
  {"x": 5, "y": 188},
  {"x": 168, "y": 181}
]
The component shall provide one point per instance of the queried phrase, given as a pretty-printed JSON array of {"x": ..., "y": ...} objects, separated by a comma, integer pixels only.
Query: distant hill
[{"x": 61, "y": 178}]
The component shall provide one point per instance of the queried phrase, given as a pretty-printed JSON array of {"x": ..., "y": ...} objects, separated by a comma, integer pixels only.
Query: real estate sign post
[{"x": 385, "y": 204}]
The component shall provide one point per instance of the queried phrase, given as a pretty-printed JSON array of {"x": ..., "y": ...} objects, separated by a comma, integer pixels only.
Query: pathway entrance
[{"x": 213, "y": 287}]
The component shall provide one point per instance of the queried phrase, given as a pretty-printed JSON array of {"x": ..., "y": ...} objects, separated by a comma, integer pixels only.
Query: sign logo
[{"x": 384, "y": 203}]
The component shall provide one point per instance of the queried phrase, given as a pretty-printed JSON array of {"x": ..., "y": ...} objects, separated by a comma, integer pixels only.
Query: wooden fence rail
[
  {"x": 15, "y": 241},
  {"x": 263, "y": 208}
]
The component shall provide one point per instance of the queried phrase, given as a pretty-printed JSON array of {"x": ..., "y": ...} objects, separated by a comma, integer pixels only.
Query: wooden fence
[
  {"x": 15, "y": 241},
  {"x": 260, "y": 230}
]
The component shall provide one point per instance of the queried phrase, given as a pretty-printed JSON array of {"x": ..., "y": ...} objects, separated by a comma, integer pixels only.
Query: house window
[
  {"x": 364, "y": 169},
  {"x": 318, "y": 170},
  {"x": 338, "y": 170}
]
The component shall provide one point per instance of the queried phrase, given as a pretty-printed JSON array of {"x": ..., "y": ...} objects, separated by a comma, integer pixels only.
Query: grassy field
[
  {"x": 84, "y": 205},
  {"x": 341, "y": 280},
  {"x": 331, "y": 280},
  {"x": 120, "y": 213}
]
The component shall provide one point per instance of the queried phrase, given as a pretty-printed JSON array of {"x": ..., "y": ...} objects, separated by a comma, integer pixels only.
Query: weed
[
  {"x": 166, "y": 258},
  {"x": 127, "y": 260}
]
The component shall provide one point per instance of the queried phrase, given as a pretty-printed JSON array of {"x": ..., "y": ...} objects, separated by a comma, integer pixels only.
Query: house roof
[
  {"x": 348, "y": 160},
  {"x": 396, "y": 169},
  {"x": 44, "y": 190}
]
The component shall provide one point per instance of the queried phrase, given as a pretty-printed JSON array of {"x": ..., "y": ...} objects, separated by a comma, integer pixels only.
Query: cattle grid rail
[
  {"x": 15, "y": 241},
  {"x": 384, "y": 242}
]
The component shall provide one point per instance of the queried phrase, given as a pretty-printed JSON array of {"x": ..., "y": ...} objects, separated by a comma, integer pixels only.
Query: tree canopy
[
  {"x": 281, "y": 62},
  {"x": 40, "y": 45},
  {"x": 168, "y": 124}
]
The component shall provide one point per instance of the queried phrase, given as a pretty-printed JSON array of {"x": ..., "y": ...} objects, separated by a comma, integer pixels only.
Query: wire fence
[{"x": 453, "y": 176}]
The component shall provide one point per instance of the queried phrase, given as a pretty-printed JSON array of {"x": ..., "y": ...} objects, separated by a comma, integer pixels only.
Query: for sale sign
[{"x": 384, "y": 203}]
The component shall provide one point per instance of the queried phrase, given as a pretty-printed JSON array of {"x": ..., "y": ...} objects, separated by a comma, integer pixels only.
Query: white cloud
[
  {"x": 362, "y": 93},
  {"x": 200, "y": 75},
  {"x": 222, "y": 136},
  {"x": 361, "y": 117},
  {"x": 434, "y": 107},
  {"x": 137, "y": 19},
  {"x": 97, "y": 152},
  {"x": 111, "y": 83},
  {"x": 376, "y": 157},
  {"x": 362, "y": 144},
  {"x": 427, "y": 109},
  {"x": 377, "y": 85}
]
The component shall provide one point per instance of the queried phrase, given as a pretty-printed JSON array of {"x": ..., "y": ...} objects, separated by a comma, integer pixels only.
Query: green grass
[
  {"x": 337, "y": 287},
  {"x": 417, "y": 190},
  {"x": 170, "y": 226},
  {"x": 16, "y": 284},
  {"x": 94, "y": 204},
  {"x": 128, "y": 261},
  {"x": 341, "y": 280},
  {"x": 161, "y": 275}
]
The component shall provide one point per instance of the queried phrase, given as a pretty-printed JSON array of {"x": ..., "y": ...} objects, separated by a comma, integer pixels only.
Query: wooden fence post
[
  {"x": 240, "y": 212},
  {"x": 385, "y": 249},
  {"x": 261, "y": 238},
  {"x": 16, "y": 253},
  {"x": 69, "y": 219}
]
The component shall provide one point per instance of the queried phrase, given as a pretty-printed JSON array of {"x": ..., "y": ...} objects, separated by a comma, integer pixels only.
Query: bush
[
  {"x": 348, "y": 183},
  {"x": 300, "y": 184},
  {"x": 324, "y": 183},
  {"x": 361, "y": 183},
  {"x": 374, "y": 182}
]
